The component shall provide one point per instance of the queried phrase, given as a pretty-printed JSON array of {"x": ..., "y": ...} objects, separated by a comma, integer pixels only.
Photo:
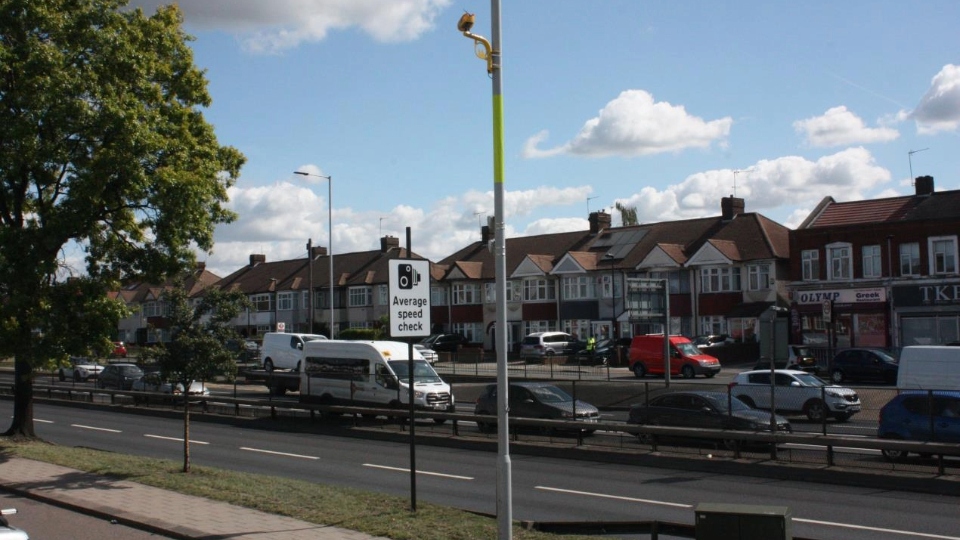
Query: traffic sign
[{"x": 409, "y": 298}]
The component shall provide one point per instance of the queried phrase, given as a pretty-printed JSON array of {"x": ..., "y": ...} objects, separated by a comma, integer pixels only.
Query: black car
[
  {"x": 536, "y": 400},
  {"x": 864, "y": 365},
  {"x": 119, "y": 375},
  {"x": 711, "y": 340},
  {"x": 704, "y": 410},
  {"x": 604, "y": 350},
  {"x": 444, "y": 342}
]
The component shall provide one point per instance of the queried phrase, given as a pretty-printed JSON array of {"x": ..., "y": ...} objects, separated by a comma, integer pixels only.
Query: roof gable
[
  {"x": 670, "y": 255},
  {"x": 712, "y": 252}
]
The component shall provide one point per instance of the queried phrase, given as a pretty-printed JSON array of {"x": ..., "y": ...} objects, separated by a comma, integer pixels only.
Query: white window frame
[
  {"x": 466, "y": 294},
  {"x": 811, "y": 264},
  {"x": 489, "y": 293},
  {"x": 473, "y": 331},
  {"x": 943, "y": 255},
  {"x": 438, "y": 295},
  {"x": 839, "y": 261},
  {"x": 151, "y": 309},
  {"x": 383, "y": 294},
  {"x": 713, "y": 324},
  {"x": 539, "y": 290},
  {"x": 305, "y": 300},
  {"x": 758, "y": 277},
  {"x": 539, "y": 326},
  {"x": 578, "y": 288},
  {"x": 720, "y": 279},
  {"x": 262, "y": 302},
  {"x": 360, "y": 296},
  {"x": 872, "y": 261},
  {"x": 912, "y": 258},
  {"x": 285, "y": 301}
]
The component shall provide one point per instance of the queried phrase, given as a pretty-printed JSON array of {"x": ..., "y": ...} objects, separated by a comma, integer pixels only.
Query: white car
[
  {"x": 795, "y": 392},
  {"x": 429, "y": 355},
  {"x": 80, "y": 369},
  {"x": 151, "y": 382},
  {"x": 7, "y": 531}
]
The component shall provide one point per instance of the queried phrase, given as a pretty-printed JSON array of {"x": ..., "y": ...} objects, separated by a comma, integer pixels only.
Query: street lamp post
[
  {"x": 772, "y": 313},
  {"x": 490, "y": 52},
  {"x": 329, "y": 180}
]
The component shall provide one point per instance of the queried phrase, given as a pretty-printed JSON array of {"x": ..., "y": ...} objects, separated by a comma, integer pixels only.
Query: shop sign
[
  {"x": 927, "y": 295},
  {"x": 842, "y": 296}
]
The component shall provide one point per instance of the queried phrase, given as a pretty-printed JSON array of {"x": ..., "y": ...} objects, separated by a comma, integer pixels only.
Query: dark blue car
[{"x": 920, "y": 416}]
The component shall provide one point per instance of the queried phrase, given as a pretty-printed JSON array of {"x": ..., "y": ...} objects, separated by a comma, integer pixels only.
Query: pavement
[{"x": 160, "y": 511}]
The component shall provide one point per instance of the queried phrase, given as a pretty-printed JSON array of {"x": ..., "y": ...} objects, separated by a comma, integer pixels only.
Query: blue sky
[{"x": 666, "y": 106}]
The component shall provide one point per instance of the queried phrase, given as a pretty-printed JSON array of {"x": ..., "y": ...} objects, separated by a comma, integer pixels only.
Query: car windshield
[
  {"x": 719, "y": 403},
  {"x": 422, "y": 372},
  {"x": 430, "y": 339},
  {"x": 885, "y": 357},
  {"x": 131, "y": 370},
  {"x": 550, "y": 394},
  {"x": 688, "y": 349}
]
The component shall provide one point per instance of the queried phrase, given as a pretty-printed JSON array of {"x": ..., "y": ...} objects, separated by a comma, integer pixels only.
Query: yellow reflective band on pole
[{"x": 497, "y": 139}]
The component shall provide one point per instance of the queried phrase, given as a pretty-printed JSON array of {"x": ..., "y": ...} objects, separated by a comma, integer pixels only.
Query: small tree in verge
[{"x": 197, "y": 350}]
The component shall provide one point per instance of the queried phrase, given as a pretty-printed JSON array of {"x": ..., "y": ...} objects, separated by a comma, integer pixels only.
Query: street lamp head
[{"x": 465, "y": 24}]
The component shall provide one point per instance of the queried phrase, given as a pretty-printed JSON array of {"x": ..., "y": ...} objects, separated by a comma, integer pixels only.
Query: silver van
[
  {"x": 539, "y": 345},
  {"x": 281, "y": 350}
]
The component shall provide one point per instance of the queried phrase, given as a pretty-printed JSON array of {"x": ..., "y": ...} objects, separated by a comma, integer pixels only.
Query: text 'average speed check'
[{"x": 409, "y": 298}]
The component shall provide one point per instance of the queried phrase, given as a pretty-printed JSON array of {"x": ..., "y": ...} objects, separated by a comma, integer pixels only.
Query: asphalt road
[{"x": 547, "y": 489}]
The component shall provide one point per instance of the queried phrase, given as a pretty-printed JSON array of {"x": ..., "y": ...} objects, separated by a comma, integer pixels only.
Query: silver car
[{"x": 795, "y": 392}]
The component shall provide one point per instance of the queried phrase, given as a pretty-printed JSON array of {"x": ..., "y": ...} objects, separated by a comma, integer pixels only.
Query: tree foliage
[
  {"x": 103, "y": 149},
  {"x": 628, "y": 214}
]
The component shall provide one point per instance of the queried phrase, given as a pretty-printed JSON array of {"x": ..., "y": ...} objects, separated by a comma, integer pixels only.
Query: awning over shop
[{"x": 748, "y": 310}]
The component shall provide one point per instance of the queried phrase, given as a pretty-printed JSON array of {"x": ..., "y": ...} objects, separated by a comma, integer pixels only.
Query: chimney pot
[{"x": 924, "y": 185}]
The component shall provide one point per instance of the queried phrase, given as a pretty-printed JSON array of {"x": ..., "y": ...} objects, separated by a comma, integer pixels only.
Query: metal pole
[
  {"x": 504, "y": 489},
  {"x": 310, "y": 285},
  {"x": 330, "y": 248},
  {"x": 413, "y": 440},
  {"x": 666, "y": 333}
]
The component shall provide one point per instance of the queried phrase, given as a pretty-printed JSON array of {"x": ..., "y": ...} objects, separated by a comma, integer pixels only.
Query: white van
[
  {"x": 281, "y": 350},
  {"x": 370, "y": 373},
  {"x": 929, "y": 367}
]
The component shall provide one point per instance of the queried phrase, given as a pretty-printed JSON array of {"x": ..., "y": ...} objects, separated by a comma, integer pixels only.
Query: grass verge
[{"x": 372, "y": 513}]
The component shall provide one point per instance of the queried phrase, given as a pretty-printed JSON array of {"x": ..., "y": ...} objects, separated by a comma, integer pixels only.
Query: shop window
[
  {"x": 872, "y": 265},
  {"x": 838, "y": 262},
  {"x": 910, "y": 259},
  {"x": 943, "y": 255},
  {"x": 811, "y": 264}
]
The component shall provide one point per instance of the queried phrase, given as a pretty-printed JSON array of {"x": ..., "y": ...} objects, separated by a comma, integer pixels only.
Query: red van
[{"x": 686, "y": 359}]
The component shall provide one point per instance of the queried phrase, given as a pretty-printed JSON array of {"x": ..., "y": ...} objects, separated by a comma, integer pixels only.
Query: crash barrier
[{"x": 796, "y": 447}]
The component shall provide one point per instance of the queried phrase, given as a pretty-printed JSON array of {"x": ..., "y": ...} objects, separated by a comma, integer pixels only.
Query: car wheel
[
  {"x": 639, "y": 370},
  {"x": 62, "y": 376},
  {"x": 268, "y": 365},
  {"x": 77, "y": 377},
  {"x": 687, "y": 372},
  {"x": 815, "y": 410},
  {"x": 648, "y": 438},
  {"x": 836, "y": 376},
  {"x": 748, "y": 401},
  {"x": 894, "y": 455}
]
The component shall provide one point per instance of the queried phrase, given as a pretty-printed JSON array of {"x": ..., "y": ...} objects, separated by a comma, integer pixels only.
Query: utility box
[{"x": 716, "y": 521}]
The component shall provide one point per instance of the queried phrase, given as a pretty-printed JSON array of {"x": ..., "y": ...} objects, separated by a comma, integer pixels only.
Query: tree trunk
[
  {"x": 186, "y": 431},
  {"x": 22, "y": 425}
]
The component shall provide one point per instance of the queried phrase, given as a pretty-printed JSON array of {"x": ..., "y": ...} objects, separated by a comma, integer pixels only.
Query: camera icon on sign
[{"x": 408, "y": 278}]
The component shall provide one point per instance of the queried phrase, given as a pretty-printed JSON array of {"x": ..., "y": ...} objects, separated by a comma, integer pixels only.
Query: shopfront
[
  {"x": 928, "y": 313},
  {"x": 841, "y": 318}
]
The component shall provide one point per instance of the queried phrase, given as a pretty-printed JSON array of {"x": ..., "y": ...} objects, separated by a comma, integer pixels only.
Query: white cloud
[
  {"x": 766, "y": 185},
  {"x": 269, "y": 27},
  {"x": 634, "y": 124},
  {"x": 839, "y": 127},
  {"x": 939, "y": 109}
]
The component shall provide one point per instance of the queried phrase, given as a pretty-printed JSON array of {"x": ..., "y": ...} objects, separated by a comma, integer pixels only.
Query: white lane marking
[
  {"x": 877, "y": 529},
  {"x": 173, "y": 439},
  {"x": 811, "y": 521},
  {"x": 277, "y": 453},
  {"x": 96, "y": 428},
  {"x": 41, "y": 421},
  {"x": 400, "y": 469},
  {"x": 617, "y": 497}
]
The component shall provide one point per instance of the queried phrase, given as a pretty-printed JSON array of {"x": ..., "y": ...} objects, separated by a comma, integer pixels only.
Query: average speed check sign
[{"x": 409, "y": 298}]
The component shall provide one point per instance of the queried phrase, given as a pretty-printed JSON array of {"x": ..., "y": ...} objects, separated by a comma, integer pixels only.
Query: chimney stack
[
  {"x": 389, "y": 242},
  {"x": 924, "y": 185},
  {"x": 256, "y": 259},
  {"x": 319, "y": 251},
  {"x": 731, "y": 207},
  {"x": 599, "y": 221},
  {"x": 485, "y": 234}
]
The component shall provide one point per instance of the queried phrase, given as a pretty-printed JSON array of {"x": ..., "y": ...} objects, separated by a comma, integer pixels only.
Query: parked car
[
  {"x": 539, "y": 345},
  {"x": 909, "y": 416},
  {"x": 712, "y": 340},
  {"x": 799, "y": 357},
  {"x": 8, "y": 531},
  {"x": 795, "y": 392},
  {"x": 704, "y": 410},
  {"x": 864, "y": 365},
  {"x": 120, "y": 375},
  {"x": 152, "y": 382},
  {"x": 604, "y": 350},
  {"x": 119, "y": 349},
  {"x": 427, "y": 353},
  {"x": 444, "y": 342},
  {"x": 80, "y": 369},
  {"x": 686, "y": 359},
  {"x": 536, "y": 400}
]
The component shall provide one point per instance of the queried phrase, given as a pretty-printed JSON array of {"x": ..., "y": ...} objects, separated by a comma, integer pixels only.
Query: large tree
[{"x": 103, "y": 148}]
